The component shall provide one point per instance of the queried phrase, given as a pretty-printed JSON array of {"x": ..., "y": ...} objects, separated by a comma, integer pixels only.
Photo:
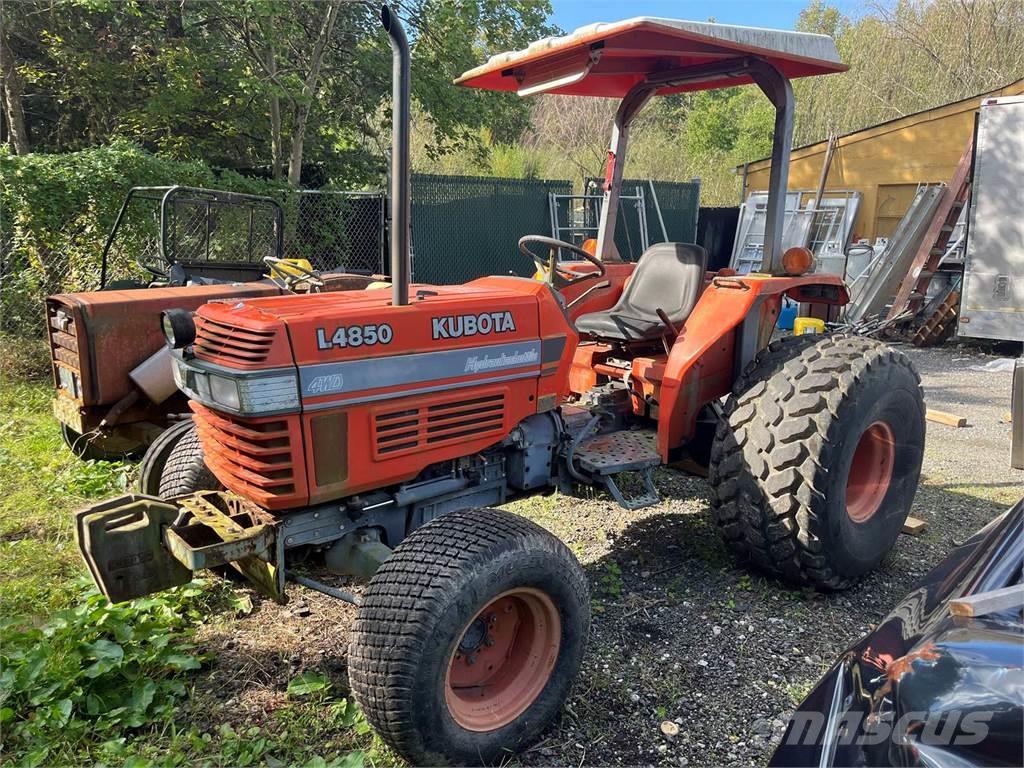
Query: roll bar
[{"x": 772, "y": 83}]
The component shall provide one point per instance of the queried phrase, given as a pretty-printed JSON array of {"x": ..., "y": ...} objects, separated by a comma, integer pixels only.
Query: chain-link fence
[
  {"x": 337, "y": 230},
  {"x": 464, "y": 227},
  {"x": 208, "y": 232}
]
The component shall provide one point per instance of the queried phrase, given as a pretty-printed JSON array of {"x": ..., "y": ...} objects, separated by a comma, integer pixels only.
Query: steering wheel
[
  {"x": 558, "y": 276},
  {"x": 151, "y": 266},
  {"x": 286, "y": 269}
]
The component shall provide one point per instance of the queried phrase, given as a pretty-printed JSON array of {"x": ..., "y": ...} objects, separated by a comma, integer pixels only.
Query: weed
[
  {"x": 610, "y": 582},
  {"x": 307, "y": 683},
  {"x": 676, "y": 588},
  {"x": 797, "y": 692},
  {"x": 95, "y": 671}
]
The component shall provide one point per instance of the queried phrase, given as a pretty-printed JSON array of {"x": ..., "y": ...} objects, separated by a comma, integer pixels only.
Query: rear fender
[{"x": 733, "y": 320}]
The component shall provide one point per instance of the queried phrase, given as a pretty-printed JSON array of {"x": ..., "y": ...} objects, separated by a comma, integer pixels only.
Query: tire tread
[{"x": 773, "y": 449}]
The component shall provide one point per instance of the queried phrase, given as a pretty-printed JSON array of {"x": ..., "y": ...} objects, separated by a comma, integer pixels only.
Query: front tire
[
  {"x": 151, "y": 468},
  {"x": 469, "y": 638},
  {"x": 815, "y": 466},
  {"x": 185, "y": 470}
]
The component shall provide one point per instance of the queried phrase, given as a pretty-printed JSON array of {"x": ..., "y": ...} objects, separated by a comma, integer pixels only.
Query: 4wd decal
[
  {"x": 355, "y": 336},
  {"x": 455, "y": 326}
]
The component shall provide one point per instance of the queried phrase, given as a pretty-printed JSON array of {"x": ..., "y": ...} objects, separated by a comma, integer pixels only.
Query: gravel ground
[{"x": 680, "y": 633}]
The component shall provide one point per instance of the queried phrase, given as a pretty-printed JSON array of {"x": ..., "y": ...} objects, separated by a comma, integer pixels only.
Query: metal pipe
[
  {"x": 339, "y": 594},
  {"x": 400, "y": 191}
]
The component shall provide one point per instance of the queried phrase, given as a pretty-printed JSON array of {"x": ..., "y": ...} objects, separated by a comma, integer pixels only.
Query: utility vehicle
[
  {"x": 382, "y": 427},
  {"x": 114, "y": 387}
]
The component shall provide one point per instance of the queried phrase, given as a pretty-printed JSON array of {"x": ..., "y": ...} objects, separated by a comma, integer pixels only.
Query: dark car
[{"x": 940, "y": 682}]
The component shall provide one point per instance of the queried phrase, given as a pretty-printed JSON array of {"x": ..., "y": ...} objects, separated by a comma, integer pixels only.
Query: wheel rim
[
  {"x": 870, "y": 472},
  {"x": 504, "y": 659}
]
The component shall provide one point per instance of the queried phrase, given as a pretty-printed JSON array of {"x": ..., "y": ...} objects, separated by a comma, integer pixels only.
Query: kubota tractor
[{"x": 381, "y": 428}]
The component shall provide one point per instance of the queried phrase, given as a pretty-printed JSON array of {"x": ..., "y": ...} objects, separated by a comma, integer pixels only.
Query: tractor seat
[{"x": 669, "y": 277}]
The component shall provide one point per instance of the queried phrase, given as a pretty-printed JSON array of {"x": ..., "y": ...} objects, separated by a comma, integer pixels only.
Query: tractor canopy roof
[{"x": 607, "y": 59}]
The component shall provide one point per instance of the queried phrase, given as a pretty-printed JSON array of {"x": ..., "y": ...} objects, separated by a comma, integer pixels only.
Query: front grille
[
  {"x": 64, "y": 349},
  {"x": 253, "y": 457},
  {"x": 438, "y": 421},
  {"x": 220, "y": 341}
]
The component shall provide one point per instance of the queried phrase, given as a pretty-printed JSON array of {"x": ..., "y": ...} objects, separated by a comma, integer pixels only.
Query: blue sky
[{"x": 781, "y": 14}]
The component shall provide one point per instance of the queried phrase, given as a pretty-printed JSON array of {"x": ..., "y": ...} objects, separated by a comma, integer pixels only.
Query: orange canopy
[{"x": 607, "y": 59}]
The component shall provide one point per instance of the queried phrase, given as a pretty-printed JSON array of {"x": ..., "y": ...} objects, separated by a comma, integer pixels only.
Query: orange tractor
[{"x": 380, "y": 428}]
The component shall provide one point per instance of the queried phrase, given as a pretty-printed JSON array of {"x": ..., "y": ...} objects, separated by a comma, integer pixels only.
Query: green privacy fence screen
[
  {"x": 678, "y": 202},
  {"x": 464, "y": 227}
]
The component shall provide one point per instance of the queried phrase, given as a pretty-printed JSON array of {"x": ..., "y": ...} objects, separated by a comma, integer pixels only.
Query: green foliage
[
  {"x": 41, "y": 483},
  {"x": 58, "y": 209},
  {"x": 514, "y": 162},
  {"x": 202, "y": 80},
  {"x": 307, "y": 683},
  {"x": 95, "y": 671},
  {"x": 610, "y": 582}
]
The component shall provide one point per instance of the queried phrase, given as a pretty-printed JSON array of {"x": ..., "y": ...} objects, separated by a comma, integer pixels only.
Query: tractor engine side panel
[{"x": 459, "y": 374}]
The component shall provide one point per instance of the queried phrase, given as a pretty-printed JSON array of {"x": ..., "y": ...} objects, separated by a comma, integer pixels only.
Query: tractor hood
[
  {"x": 347, "y": 344},
  {"x": 300, "y": 399}
]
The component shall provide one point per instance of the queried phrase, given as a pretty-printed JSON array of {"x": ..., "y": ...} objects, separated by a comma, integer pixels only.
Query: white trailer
[{"x": 992, "y": 304}]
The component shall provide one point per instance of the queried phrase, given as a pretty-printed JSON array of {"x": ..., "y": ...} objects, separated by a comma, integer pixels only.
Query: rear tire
[
  {"x": 815, "y": 466},
  {"x": 185, "y": 470},
  {"x": 469, "y": 638}
]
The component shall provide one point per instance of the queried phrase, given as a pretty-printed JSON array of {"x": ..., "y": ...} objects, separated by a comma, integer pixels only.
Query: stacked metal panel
[
  {"x": 876, "y": 291},
  {"x": 825, "y": 229}
]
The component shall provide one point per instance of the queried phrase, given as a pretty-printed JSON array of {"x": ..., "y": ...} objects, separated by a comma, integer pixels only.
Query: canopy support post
[
  {"x": 780, "y": 93},
  {"x": 631, "y": 103}
]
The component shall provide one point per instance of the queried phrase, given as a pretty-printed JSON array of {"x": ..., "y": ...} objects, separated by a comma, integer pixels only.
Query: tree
[
  {"x": 13, "y": 91},
  {"x": 256, "y": 83}
]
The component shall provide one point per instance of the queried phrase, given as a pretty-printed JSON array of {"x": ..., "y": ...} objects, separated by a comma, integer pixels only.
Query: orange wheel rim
[
  {"x": 503, "y": 660},
  {"x": 870, "y": 472}
]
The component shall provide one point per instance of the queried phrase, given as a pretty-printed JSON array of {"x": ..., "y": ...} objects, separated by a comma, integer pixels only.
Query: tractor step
[
  {"x": 648, "y": 498},
  {"x": 628, "y": 450},
  {"x": 615, "y": 453}
]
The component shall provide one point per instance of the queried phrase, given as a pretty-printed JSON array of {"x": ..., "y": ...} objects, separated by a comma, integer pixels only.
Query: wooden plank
[
  {"x": 985, "y": 603},
  {"x": 913, "y": 527},
  {"x": 941, "y": 417}
]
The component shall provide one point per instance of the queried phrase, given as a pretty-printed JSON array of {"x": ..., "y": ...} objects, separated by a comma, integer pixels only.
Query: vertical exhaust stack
[{"x": 399, "y": 189}]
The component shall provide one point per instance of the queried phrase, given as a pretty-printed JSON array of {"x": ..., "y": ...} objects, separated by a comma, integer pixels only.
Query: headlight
[
  {"x": 259, "y": 394},
  {"x": 224, "y": 392},
  {"x": 178, "y": 327},
  {"x": 243, "y": 395}
]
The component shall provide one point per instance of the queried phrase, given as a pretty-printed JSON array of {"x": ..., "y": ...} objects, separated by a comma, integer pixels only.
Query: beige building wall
[{"x": 886, "y": 162}]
